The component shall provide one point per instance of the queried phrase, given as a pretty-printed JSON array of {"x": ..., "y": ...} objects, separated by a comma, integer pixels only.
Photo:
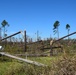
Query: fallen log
[{"x": 22, "y": 59}]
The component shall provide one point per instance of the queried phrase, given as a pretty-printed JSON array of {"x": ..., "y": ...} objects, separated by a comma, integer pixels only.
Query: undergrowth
[{"x": 65, "y": 65}]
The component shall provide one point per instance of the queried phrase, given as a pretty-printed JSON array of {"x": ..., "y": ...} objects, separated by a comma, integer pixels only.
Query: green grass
[
  {"x": 56, "y": 63},
  {"x": 9, "y": 68},
  {"x": 14, "y": 67},
  {"x": 3, "y": 67},
  {"x": 45, "y": 60}
]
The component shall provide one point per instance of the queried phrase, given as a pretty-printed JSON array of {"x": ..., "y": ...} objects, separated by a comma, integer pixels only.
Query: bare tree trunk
[
  {"x": 58, "y": 32},
  {"x": 0, "y": 34},
  {"x": 68, "y": 34},
  {"x": 51, "y": 51},
  {"x": 4, "y": 32}
]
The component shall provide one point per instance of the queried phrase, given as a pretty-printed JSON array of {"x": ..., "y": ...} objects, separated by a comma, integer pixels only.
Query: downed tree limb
[
  {"x": 22, "y": 59},
  {"x": 32, "y": 55}
]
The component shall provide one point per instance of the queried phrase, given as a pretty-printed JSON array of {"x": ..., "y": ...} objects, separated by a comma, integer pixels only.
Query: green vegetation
[
  {"x": 4, "y": 24},
  {"x": 68, "y": 28},
  {"x": 55, "y": 29},
  {"x": 45, "y": 60},
  {"x": 64, "y": 65},
  {"x": 8, "y": 68},
  {"x": 61, "y": 62}
]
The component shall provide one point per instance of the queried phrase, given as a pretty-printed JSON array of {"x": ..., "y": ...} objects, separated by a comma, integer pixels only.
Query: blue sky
[{"x": 38, "y": 15}]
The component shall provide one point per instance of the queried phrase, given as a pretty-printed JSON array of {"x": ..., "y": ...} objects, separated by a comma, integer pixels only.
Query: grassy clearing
[
  {"x": 14, "y": 67},
  {"x": 45, "y": 60},
  {"x": 9, "y": 68},
  {"x": 58, "y": 65}
]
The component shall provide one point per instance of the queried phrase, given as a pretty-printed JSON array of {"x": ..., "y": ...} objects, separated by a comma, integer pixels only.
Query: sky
[{"x": 38, "y": 15}]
